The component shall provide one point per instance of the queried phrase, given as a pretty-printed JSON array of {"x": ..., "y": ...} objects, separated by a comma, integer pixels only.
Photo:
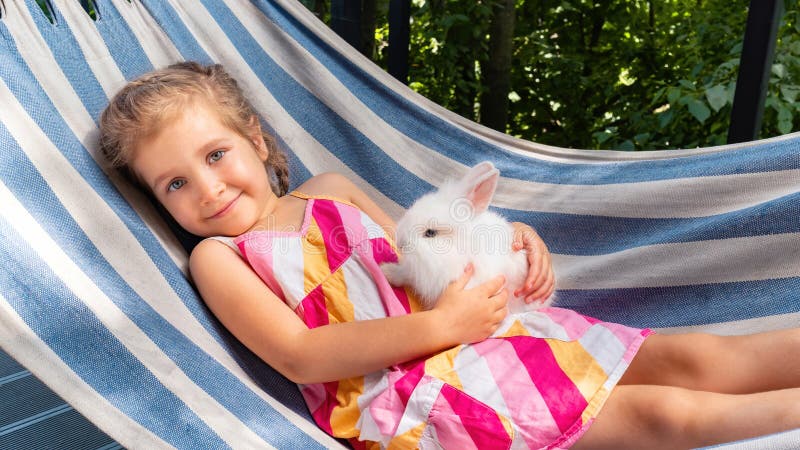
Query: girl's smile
[{"x": 225, "y": 209}]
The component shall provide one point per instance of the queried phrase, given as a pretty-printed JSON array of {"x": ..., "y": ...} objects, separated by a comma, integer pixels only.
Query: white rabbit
[{"x": 445, "y": 230}]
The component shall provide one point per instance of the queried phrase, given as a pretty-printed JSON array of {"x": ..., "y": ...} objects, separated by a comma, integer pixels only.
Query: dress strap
[
  {"x": 227, "y": 241},
  {"x": 305, "y": 196},
  {"x": 299, "y": 194}
]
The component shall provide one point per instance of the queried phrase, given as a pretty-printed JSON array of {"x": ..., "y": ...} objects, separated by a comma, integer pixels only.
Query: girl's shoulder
[{"x": 329, "y": 185}]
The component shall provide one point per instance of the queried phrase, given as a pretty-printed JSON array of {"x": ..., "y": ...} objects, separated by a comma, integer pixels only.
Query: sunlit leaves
[{"x": 601, "y": 73}]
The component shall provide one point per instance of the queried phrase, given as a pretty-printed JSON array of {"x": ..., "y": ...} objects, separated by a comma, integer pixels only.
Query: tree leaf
[
  {"x": 784, "y": 119},
  {"x": 717, "y": 97},
  {"x": 779, "y": 70},
  {"x": 790, "y": 93},
  {"x": 665, "y": 118},
  {"x": 627, "y": 146},
  {"x": 673, "y": 94},
  {"x": 601, "y": 136},
  {"x": 699, "y": 110}
]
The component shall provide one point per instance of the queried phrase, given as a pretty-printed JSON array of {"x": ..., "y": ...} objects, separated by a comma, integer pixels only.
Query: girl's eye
[
  {"x": 216, "y": 155},
  {"x": 175, "y": 185}
]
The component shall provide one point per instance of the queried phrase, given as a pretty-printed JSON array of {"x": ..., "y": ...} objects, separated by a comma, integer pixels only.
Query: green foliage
[
  {"x": 605, "y": 74},
  {"x": 88, "y": 5},
  {"x": 449, "y": 38}
]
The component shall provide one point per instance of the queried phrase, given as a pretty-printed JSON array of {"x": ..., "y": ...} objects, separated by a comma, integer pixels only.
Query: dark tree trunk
[{"x": 497, "y": 71}]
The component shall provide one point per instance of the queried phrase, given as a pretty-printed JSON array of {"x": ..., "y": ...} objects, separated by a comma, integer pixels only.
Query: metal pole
[
  {"x": 758, "y": 48},
  {"x": 399, "y": 38},
  {"x": 346, "y": 21}
]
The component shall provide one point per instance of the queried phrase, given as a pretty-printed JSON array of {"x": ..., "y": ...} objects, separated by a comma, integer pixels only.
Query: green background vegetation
[{"x": 597, "y": 74}]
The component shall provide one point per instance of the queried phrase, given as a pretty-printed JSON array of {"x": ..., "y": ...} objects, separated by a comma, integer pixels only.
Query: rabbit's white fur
[{"x": 446, "y": 229}]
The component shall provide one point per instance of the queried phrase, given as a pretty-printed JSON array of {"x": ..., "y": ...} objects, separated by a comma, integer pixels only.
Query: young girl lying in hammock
[{"x": 312, "y": 302}]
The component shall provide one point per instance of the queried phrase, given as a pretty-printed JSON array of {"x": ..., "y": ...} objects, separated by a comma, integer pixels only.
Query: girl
[{"x": 375, "y": 369}]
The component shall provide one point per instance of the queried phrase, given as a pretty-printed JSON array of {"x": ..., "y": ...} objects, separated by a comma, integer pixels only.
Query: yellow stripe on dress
[
  {"x": 315, "y": 258},
  {"x": 516, "y": 329},
  {"x": 579, "y": 366},
  {"x": 441, "y": 366},
  {"x": 335, "y": 291},
  {"x": 344, "y": 419}
]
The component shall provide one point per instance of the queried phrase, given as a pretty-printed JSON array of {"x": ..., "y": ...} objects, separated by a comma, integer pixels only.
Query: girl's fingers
[
  {"x": 492, "y": 287},
  {"x": 545, "y": 290},
  {"x": 462, "y": 280},
  {"x": 536, "y": 273},
  {"x": 544, "y": 271},
  {"x": 501, "y": 299}
]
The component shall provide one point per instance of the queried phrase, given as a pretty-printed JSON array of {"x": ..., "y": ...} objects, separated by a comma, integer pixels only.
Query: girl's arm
[{"x": 260, "y": 320}]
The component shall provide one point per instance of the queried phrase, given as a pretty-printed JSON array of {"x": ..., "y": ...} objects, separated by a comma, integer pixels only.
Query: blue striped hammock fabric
[{"x": 94, "y": 294}]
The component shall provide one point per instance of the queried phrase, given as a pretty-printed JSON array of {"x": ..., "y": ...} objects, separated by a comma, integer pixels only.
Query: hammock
[{"x": 94, "y": 295}]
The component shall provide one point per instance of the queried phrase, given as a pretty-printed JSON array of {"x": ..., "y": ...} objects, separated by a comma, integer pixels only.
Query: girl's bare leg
[
  {"x": 726, "y": 364},
  {"x": 665, "y": 417}
]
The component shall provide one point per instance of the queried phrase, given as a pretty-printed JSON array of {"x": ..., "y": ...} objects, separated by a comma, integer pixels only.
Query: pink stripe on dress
[
  {"x": 483, "y": 427},
  {"x": 520, "y": 394},
  {"x": 387, "y": 409},
  {"x": 565, "y": 401},
  {"x": 393, "y": 304},
  {"x": 359, "y": 241},
  {"x": 449, "y": 430},
  {"x": 623, "y": 333},
  {"x": 574, "y": 324},
  {"x": 334, "y": 232},
  {"x": 262, "y": 264},
  {"x": 313, "y": 309},
  {"x": 322, "y": 415},
  {"x": 382, "y": 252}
]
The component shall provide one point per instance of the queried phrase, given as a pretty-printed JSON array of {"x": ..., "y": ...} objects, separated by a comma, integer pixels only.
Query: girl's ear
[{"x": 257, "y": 138}]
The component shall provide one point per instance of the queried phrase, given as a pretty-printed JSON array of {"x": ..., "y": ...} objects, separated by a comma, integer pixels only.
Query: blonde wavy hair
[{"x": 146, "y": 103}]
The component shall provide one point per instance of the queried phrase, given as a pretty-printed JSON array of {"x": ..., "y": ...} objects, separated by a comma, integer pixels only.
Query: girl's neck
[{"x": 284, "y": 213}]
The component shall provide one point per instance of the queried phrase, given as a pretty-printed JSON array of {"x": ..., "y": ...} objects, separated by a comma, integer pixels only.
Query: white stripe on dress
[{"x": 362, "y": 292}]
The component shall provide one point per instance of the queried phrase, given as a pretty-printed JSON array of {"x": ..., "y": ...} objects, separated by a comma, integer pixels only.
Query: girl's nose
[{"x": 210, "y": 189}]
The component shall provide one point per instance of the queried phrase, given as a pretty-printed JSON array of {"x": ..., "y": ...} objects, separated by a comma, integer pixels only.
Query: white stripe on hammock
[
  {"x": 45, "y": 68},
  {"x": 717, "y": 261},
  {"x": 22, "y": 343},
  {"x": 124, "y": 253},
  {"x": 226, "y": 425}
]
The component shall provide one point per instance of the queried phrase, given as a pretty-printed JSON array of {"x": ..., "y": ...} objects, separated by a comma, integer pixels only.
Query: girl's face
[{"x": 210, "y": 179}]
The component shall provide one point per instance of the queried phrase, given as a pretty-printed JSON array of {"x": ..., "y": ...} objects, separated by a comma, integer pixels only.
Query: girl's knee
[
  {"x": 641, "y": 416},
  {"x": 670, "y": 413}
]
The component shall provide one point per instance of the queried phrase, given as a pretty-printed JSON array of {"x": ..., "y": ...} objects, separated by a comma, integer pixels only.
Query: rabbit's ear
[{"x": 480, "y": 183}]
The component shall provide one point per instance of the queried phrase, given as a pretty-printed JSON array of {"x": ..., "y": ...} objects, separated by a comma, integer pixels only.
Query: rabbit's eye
[{"x": 429, "y": 233}]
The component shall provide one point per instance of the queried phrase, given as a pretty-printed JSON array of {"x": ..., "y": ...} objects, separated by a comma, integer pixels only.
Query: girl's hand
[
  {"x": 474, "y": 314},
  {"x": 540, "y": 283}
]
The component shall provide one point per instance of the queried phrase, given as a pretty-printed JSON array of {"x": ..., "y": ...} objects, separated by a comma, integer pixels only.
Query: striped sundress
[{"x": 538, "y": 382}]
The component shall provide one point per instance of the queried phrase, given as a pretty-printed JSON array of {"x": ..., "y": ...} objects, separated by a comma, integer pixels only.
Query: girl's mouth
[{"x": 225, "y": 209}]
